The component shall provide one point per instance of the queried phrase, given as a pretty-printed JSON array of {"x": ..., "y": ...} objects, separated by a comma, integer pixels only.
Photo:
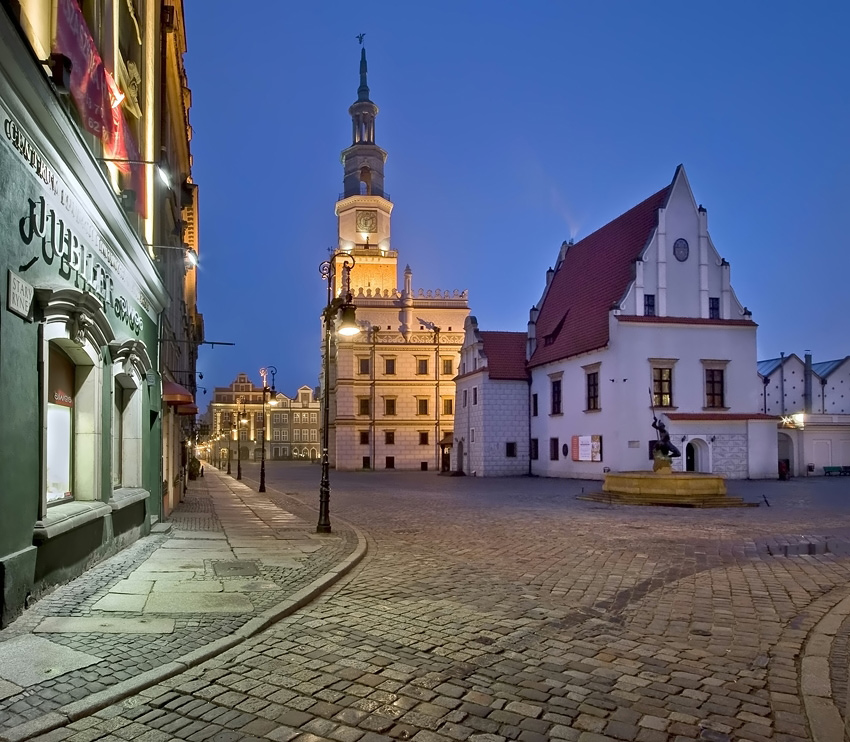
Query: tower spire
[{"x": 363, "y": 90}]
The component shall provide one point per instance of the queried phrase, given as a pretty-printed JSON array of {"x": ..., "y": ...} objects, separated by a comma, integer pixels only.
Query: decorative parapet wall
[{"x": 420, "y": 294}]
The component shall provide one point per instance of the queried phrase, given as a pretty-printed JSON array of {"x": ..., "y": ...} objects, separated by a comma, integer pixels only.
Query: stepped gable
[
  {"x": 505, "y": 353},
  {"x": 593, "y": 276}
]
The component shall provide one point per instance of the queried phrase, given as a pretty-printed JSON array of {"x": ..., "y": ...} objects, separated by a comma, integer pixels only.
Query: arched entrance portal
[{"x": 697, "y": 457}]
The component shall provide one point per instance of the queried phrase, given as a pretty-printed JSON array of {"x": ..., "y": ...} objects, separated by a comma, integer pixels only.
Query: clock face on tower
[{"x": 367, "y": 221}]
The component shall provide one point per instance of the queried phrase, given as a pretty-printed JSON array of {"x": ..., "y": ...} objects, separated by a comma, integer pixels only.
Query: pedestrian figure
[{"x": 202, "y": 471}]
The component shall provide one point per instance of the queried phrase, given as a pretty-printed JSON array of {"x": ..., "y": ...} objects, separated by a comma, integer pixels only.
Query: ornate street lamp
[
  {"x": 243, "y": 420},
  {"x": 229, "y": 438},
  {"x": 264, "y": 372},
  {"x": 341, "y": 307}
]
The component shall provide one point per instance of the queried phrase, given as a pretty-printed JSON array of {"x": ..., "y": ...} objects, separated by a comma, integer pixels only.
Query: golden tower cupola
[{"x": 364, "y": 207}]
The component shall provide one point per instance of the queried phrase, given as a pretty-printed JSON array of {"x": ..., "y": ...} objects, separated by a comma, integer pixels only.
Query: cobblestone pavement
[
  {"x": 488, "y": 610},
  {"x": 231, "y": 563}
]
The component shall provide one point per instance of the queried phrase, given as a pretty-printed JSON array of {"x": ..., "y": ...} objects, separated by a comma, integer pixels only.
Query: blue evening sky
[{"x": 510, "y": 127}]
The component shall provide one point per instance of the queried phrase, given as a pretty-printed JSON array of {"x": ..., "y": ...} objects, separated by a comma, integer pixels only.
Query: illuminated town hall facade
[{"x": 391, "y": 386}]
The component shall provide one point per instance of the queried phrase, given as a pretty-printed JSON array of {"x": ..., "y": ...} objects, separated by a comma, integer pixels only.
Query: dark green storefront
[{"x": 79, "y": 394}]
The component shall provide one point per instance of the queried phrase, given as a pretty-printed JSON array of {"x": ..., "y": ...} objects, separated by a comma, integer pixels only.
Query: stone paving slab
[
  {"x": 198, "y": 602},
  {"x": 30, "y": 660}
]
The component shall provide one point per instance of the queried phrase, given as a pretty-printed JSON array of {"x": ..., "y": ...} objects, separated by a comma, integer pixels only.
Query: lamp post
[
  {"x": 264, "y": 372},
  {"x": 338, "y": 306},
  {"x": 229, "y": 438},
  {"x": 243, "y": 420}
]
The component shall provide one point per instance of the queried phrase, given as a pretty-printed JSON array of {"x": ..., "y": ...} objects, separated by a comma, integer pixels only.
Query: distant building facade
[
  {"x": 293, "y": 423},
  {"x": 812, "y": 403},
  {"x": 391, "y": 387}
]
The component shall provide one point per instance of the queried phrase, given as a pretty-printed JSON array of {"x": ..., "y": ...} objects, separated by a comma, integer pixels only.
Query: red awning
[
  {"x": 187, "y": 409},
  {"x": 173, "y": 393}
]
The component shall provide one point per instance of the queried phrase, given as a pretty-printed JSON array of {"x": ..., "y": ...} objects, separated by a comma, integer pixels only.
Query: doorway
[
  {"x": 786, "y": 455},
  {"x": 697, "y": 456}
]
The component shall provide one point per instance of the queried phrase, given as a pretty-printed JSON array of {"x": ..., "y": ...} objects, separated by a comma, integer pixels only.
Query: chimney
[{"x": 807, "y": 384}]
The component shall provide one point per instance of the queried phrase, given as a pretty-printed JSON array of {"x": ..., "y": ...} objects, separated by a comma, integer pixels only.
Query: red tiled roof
[
  {"x": 505, "y": 353},
  {"x": 594, "y": 275},
  {"x": 637, "y": 319},
  {"x": 719, "y": 416}
]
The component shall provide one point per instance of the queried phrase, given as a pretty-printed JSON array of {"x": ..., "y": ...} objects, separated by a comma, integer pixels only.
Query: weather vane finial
[{"x": 360, "y": 38}]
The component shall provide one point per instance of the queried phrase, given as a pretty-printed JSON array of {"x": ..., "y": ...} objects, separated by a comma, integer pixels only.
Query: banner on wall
[
  {"x": 97, "y": 96},
  {"x": 587, "y": 448}
]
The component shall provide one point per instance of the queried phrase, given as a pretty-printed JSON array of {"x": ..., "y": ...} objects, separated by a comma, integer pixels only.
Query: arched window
[{"x": 365, "y": 181}]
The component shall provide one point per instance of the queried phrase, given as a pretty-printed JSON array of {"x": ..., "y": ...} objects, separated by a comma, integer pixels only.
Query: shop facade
[{"x": 80, "y": 391}]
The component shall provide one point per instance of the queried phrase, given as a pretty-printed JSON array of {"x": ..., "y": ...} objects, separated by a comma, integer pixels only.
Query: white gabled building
[
  {"x": 491, "y": 417},
  {"x": 812, "y": 402},
  {"x": 638, "y": 318}
]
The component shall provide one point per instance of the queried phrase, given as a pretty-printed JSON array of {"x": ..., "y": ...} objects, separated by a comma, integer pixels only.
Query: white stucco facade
[
  {"x": 674, "y": 342},
  {"x": 812, "y": 402}
]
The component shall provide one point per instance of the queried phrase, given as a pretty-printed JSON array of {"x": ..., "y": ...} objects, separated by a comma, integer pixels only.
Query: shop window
[
  {"x": 61, "y": 388},
  {"x": 126, "y": 431}
]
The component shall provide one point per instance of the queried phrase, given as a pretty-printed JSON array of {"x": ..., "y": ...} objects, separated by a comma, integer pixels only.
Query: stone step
[{"x": 682, "y": 501}]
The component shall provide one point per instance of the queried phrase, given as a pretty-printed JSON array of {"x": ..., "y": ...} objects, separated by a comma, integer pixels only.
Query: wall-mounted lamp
[
  {"x": 161, "y": 170},
  {"x": 60, "y": 72},
  {"x": 190, "y": 254},
  {"x": 128, "y": 199},
  {"x": 684, "y": 438},
  {"x": 713, "y": 438}
]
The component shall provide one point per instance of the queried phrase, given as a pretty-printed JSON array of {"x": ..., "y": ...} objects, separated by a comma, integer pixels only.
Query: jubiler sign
[
  {"x": 75, "y": 260},
  {"x": 67, "y": 239}
]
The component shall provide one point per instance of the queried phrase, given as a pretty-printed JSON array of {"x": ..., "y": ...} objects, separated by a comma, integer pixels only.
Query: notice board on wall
[{"x": 587, "y": 447}]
